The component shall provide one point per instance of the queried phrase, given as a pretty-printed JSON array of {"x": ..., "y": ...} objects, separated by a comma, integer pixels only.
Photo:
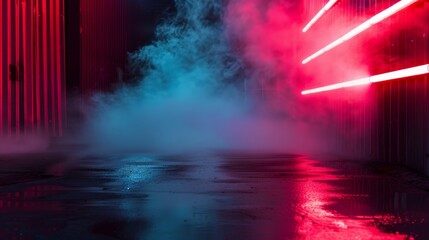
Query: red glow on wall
[
  {"x": 32, "y": 87},
  {"x": 383, "y": 119},
  {"x": 364, "y": 26},
  {"x": 408, "y": 72}
]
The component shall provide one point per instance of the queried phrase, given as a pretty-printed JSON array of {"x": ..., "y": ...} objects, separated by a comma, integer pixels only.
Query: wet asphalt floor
[{"x": 205, "y": 196}]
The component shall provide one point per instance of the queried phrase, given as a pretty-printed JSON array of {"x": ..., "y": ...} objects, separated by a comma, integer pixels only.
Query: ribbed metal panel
[
  {"x": 103, "y": 51},
  {"x": 32, "y": 89},
  {"x": 391, "y": 124}
]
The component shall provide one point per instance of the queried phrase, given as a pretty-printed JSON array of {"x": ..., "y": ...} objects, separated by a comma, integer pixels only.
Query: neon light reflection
[
  {"x": 372, "y": 21},
  {"x": 408, "y": 72}
]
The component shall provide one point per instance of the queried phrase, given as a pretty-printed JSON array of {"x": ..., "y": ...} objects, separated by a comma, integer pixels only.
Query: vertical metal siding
[
  {"x": 103, "y": 48},
  {"x": 32, "y": 87},
  {"x": 402, "y": 117},
  {"x": 394, "y": 124}
]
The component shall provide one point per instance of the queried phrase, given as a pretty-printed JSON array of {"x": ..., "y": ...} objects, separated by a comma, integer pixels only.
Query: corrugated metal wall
[
  {"x": 103, "y": 45},
  {"x": 392, "y": 122},
  {"x": 32, "y": 83},
  {"x": 403, "y": 117}
]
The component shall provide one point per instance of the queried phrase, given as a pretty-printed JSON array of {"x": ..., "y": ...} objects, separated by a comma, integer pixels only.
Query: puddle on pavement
[{"x": 230, "y": 196}]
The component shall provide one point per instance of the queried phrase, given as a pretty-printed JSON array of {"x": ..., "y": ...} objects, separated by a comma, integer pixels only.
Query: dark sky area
[{"x": 144, "y": 16}]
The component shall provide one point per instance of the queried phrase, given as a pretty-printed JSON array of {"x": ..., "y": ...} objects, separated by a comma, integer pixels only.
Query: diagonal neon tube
[
  {"x": 408, "y": 72},
  {"x": 374, "y": 20},
  {"x": 319, "y": 14}
]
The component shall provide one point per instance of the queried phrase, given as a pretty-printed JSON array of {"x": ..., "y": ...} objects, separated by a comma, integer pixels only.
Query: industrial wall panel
[
  {"x": 103, "y": 45},
  {"x": 32, "y": 89},
  {"x": 393, "y": 120}
]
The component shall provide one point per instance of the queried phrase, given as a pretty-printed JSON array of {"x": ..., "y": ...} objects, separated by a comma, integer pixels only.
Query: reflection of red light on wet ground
[
  {"x": 30, "y": 200},
  {"x": 21, "y": 208},
  {"x": 316, "y": 221}
]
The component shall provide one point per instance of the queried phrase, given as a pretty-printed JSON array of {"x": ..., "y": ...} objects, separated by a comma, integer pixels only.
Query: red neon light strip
[
  {"x": 52, "y": 73},
  {"x": 25, "y": 63},
  {"x": 414, "y": 71},
  {"x": 9, "y": 61},
  {"x": 319, "y": 14},
  {"x": 32, "y": 41},
  {"x": 45, "y": 36},
  {"x": 408, "y": 72},
  {"x": 60, "y": 59},
  {"x": 1, "y": 70},
  {"x": 18, "y": 66},
  {"x": 57, "y": 67},
  {"x": 347, "y": 84},
  {"x": 374, "y": 20},
  {"x": 37, "y": 55}
]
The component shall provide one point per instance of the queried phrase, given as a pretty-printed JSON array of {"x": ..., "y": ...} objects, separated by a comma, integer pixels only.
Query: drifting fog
[
  {"x": 28, "y": 144},
  {"x": 227, "y": 75},
  {"x": 217, "y": 77},
  {"x": 199, "y": 88}
]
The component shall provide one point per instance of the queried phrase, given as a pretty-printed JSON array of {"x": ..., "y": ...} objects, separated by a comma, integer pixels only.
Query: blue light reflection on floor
[{"x": 229, "y": 196}]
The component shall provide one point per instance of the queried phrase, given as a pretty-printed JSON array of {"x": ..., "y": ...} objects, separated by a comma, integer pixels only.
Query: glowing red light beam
[
  {"x": 374, "y": 20},
  {"x": 319, "y": 14},
  {"x": 347, "y": 84},
  {"x": 408, "y": 72}
]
